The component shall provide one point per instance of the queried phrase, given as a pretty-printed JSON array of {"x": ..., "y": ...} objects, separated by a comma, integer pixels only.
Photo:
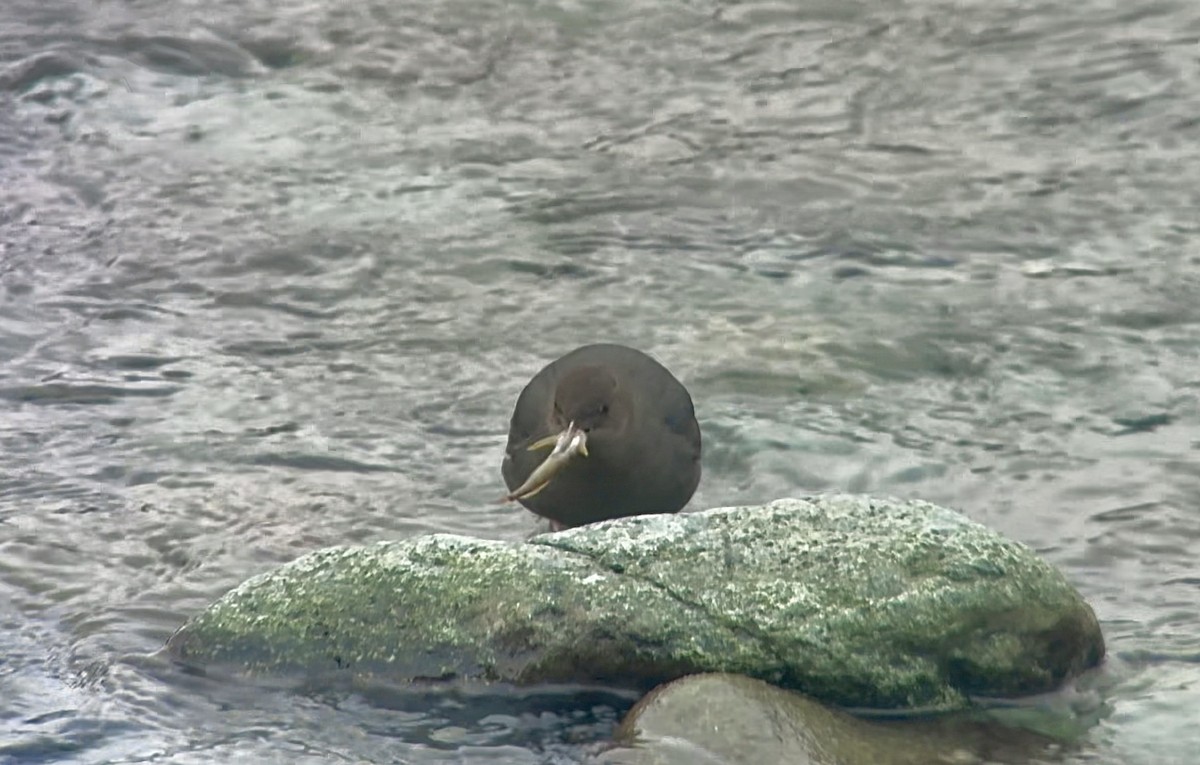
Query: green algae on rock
[{"x": 856, "y": 601}]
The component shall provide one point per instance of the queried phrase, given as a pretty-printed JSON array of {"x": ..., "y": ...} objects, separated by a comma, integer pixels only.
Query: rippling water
[{"x": 272, "y": 274}]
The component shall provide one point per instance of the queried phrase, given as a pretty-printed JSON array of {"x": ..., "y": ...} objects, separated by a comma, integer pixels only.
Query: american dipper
[{"x": 603, "y": 432}]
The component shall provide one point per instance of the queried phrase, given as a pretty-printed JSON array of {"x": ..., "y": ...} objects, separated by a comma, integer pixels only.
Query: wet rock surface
[{"x": 856, "y": 601}]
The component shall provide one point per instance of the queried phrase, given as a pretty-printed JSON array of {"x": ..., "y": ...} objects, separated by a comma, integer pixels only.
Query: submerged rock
[
  {"x": 736, "y": 720},
  {"x": 855, "y": 601}
]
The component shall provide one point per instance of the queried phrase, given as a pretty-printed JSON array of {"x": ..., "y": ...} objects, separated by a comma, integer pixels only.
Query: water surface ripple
[{"x": 272, "y": 274}]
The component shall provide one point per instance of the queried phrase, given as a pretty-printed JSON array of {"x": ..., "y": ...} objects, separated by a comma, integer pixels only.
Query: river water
[{"x": 273, "y": 273}]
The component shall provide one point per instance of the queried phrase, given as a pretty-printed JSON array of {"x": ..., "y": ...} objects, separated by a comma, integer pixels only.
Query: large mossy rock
[{"x": 855, "y": 601}]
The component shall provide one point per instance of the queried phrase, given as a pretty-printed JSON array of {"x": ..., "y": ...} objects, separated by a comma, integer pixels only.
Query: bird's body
[{"x": 641, "y": 448}]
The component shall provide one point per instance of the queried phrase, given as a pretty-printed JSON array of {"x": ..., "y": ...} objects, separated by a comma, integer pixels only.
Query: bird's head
[{"x": 590, "y": 397}]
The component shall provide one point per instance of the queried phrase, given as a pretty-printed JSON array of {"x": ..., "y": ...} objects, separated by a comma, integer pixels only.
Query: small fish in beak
[{"x": 567, "y": 444}]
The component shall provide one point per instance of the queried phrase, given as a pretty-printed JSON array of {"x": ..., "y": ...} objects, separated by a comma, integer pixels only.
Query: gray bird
[{"x": 603, "y": 432}]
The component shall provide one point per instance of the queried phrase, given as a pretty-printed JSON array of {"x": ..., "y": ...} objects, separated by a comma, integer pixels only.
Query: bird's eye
[{"x": 604, "y": 409}]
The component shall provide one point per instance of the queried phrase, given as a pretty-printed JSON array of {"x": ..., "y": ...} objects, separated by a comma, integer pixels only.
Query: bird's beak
[
  {"x": 567, "y": 444},
  {"x": 557, "y": 440}
]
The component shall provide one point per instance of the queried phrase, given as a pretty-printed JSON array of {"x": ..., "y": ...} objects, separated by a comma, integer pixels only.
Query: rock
[
  {"x": 736, "y": 720},
  {"x": 859, "y": 602}
]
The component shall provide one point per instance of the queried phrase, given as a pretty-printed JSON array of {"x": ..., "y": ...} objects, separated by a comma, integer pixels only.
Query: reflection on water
[{"x": 271, "y": 277}]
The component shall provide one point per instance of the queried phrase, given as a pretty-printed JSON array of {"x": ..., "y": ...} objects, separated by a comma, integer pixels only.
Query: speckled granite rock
[{"x": 856, "y": 601}]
